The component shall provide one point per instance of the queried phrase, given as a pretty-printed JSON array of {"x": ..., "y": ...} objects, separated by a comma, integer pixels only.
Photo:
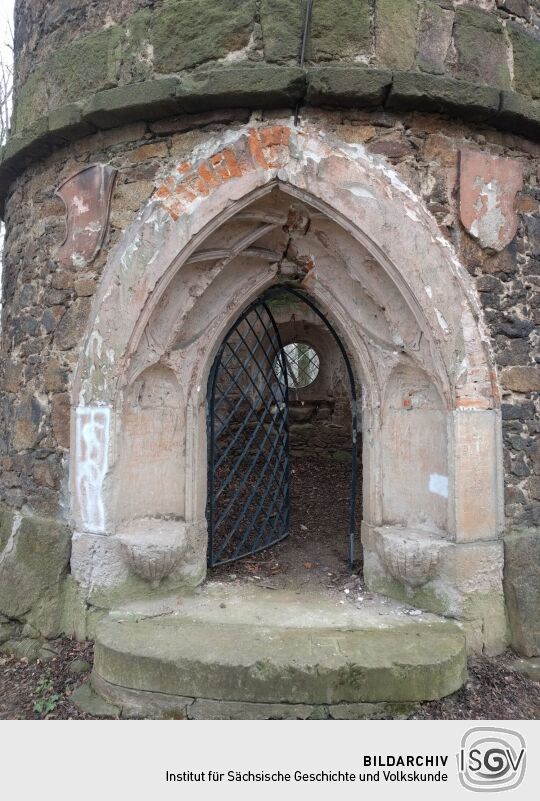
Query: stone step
[{"x": 203, "y": 649}]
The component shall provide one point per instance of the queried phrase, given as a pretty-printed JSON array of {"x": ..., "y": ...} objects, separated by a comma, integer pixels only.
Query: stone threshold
[{"x": 213, "y": 652}]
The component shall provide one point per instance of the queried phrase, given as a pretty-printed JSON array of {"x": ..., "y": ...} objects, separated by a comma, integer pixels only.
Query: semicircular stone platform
[{"x": 246, "y": 652}]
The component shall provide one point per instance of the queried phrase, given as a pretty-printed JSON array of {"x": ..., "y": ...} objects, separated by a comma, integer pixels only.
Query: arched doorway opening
[
  {"x": 283, "y": 444},
  {"x": 262, "y": 206}
]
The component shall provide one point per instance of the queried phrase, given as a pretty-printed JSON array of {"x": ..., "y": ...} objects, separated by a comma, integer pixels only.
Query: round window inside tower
[{"x": 302, "y": 363}]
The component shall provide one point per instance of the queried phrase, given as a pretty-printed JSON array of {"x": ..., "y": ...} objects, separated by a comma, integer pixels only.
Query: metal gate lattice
[{"x": 248, "y": 440}]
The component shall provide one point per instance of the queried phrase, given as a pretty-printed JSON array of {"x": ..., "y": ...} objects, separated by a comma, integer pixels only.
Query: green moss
[
  {"x": 482, "y": 52},
  {"x": 190, "y": 32},
  {"x": 82, "y": 67},
  {"x": 477, "y": 18},
  {"x": 136, "y": 52},
  {"x": 87, "y": 65},
  {"x": 339, "y": 29},
  {"x": 31, "y": 574},
  {"x": 31, "y": 101},
  {"x": 396, "y": 26},
  {"x": 282, "y": 24},
  {"x": 526, "y": 63}
]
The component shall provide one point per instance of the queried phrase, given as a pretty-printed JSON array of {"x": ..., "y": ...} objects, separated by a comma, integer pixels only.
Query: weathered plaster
[{"x": 219, "y": 230}]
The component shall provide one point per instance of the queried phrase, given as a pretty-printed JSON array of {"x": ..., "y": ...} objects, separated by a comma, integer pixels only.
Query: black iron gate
[{"x": 248, "y": 436}]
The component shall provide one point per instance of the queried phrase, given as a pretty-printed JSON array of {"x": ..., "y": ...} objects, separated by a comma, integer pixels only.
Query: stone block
[
  {"x": 28, "y": 413},
  {"x": 72, "y": 325},
  {"x": 60, "y": 416},
  {"x": 104, "y": 573},
  {"x": 526, "y": 51},
  {"x": 522, "y": 589},
  {"x": 476, "y": 476},
  {"x": 91, "y": 703},
  {"x": 370, "y": 711},
  {"x": 135, "y": 704},
  {"x": 153, "y": 150},
  {"x": 463, "y": 582},
  {"x": 279, "y": 664},
  {"x": 66, "y": 121},
  {"x": 347, "y": 85},
  {"x": 434, "y": 37},
  {"x": 262, "y": 86},
  {"x": 339, "y": 29},
  {"x": 522, "y": 379},
  {"x": 33, "y": 565},
  {"x": 203, "y": 709},
  {"x": 282, "y": 23},
  {"x": 396, "y": 23},
  {"x": 187, "y": 33},
  {"x": 147, "y": 100},
  {"x": 481, "y": 48},
  {"x": 442, "y": 94},
  {"x": 520, "y": 8},
  {"x": 519, "y": 112}
]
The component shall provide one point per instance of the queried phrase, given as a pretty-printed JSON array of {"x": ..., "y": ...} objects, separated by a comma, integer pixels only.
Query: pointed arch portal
[
  {"x": 271, "y": 205},
  {"x": 248, "y": 502}
]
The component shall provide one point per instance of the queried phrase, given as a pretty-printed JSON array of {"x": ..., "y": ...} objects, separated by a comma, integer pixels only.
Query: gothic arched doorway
[{"x": 262, "y": 371}]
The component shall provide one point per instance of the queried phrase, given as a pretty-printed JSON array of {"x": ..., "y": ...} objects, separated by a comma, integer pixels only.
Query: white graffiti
[{"x": 92, "y": 427}]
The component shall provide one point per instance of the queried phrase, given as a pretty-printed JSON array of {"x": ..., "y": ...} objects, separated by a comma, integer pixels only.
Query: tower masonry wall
[{"x": 428, "y": 88}]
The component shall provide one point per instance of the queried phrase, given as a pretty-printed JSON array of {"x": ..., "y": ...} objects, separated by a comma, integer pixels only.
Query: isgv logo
[{"x": 491, "y": 760}]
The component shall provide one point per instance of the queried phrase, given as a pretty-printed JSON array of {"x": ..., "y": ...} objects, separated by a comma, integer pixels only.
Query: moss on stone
[
  {"x": 395, "y": 32},
  {"x": 478, "y": 19},
  {"x": 31, "y": 101},
  {"x": 148, "y": 100},
  {"x": 282, "y": 24},
  {"x": 89, "y": 64},
  {"x": 242, "y": 85},
  {"x": 32, "y": 570},
  {"x": 442, "y": 94},
  {"x": 347, "y": 85},
  {"x": 137, "y": 51},
  {"x": 482, "y": 51},
  {"x": 339, "y": 29},
  {"x": 190, "y": 32},
  {"x": 526, "y": 62},
  {"x": 6, "y": 526}
]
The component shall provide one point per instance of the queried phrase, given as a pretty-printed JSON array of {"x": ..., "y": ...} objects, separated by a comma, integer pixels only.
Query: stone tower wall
[{"x": 139, "y": 84}]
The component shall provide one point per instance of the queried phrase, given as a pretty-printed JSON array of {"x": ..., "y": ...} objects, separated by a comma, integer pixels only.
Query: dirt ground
[
  {"x": 41, "y": 691},
  {"x": 315, "y": 553}
]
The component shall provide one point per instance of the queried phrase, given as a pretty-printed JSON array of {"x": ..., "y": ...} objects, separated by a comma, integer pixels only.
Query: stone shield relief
[{"x": 87, "y": 198}]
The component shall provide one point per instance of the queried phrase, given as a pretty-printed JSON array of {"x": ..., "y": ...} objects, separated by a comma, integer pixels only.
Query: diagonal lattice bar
[{"x": 248, "y": 475}]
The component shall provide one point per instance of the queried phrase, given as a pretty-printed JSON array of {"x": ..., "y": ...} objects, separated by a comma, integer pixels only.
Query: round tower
[{"x": 170, "y": 163}]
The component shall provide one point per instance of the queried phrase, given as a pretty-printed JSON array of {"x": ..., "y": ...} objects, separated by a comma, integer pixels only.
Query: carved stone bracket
[
  {"x": 153, "y": 548},
  {"x": 411, "y": 557}
]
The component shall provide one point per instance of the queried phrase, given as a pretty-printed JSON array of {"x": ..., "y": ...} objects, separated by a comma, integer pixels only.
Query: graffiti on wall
[{"x": 92, "y": 432}]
